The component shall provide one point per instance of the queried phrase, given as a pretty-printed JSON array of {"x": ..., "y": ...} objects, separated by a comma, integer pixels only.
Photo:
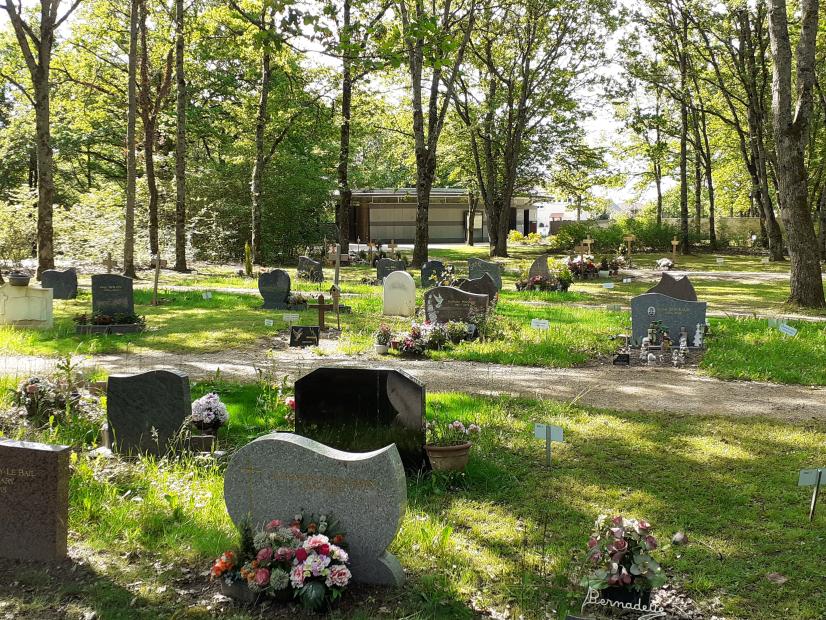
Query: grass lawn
[{"x": 481, "y": 540}]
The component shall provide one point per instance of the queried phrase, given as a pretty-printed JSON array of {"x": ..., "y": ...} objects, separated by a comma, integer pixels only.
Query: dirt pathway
[{"x": 659, "y": 389}]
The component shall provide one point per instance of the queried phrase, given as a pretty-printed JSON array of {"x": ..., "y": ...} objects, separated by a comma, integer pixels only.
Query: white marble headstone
[{"x": 399, "y": 294}]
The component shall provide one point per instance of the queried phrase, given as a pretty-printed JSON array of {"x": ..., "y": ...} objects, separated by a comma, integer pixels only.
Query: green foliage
[
  {"x": 248, "y": 259},
  {"x": 17, "y": 226}
]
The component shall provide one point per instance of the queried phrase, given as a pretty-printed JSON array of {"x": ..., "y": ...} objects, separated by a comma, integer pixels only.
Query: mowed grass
[{"x": 478, "y": 541}]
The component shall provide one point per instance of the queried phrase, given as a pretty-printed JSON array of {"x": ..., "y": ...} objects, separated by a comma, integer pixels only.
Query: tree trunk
[
  {"x": 422, "y": 238},
  {"x": 344, "y": 191},
  {"x": 258, "y": 167},
  {"x": 698, "y": 194},
  {"x": 791, "y": 125},
  {"x": 180, "y": 142},
  {"x": 145, "y": 98},
  {"x": 658, "y": 181},
  {"x": 129, "y": 220},
  {"x": 472, "y": 206},
  {"x": 684, "y": 180},
  {"x": 45, "y": 174}
]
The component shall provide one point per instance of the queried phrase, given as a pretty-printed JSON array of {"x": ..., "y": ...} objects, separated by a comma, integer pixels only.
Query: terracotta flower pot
[{"x": 449, "y": 458}]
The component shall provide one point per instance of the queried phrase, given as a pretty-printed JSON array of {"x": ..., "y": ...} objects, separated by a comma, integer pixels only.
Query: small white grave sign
[
  {"x": 787, "y": 329},
  {"x": 549, "y": 433},
  {"x": 627, "y": 280},
  {"x": 540, "y": 324},
  {"x": 268, "y": 322},
  {"x": 290, "y": 318},
  {"x": 812, "y": 478},
  {"x": 765, "y": 260},
  {"x": 207, "y": 295},
  {"x": 608, "y": 285},
  {"x": 720, "y": 260},
  {"x": 614, "y": 308}
]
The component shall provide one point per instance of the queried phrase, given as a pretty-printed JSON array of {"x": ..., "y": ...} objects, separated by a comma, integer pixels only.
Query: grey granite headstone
[
  {"x": 483, "y": 285},
  {"x": 540, "y": 268},
  {"x": 446, "y": 303},
  {"x": 274, "y": 287},
  {"x": 34, "y": 500},
  {"x": 112, "y": 294},
  {"x": 281, "y": 474},
  {"x": 386, "y": 266},
  {"x": 147, "y": 411},
  {"x": 432, "y": 272},
  {"x": 678, "y": 288},
  {"x": 673, "y": 313},
  {"x": 310, "y": 269},
  {"x": 476, "y": 267},
  {"x": 62, "y": 283},
  {"x": 360, "y": 409}
]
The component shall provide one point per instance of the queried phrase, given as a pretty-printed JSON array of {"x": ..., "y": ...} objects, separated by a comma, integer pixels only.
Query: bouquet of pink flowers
[{"x": 304, "y": 558}]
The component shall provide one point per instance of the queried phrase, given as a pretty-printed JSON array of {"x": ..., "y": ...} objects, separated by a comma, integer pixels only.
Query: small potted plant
[
  {"x": 19, "y": 278},
  {"x": 413, "y": 343},
  {"x": 209, "y": 414},
  {"x": 448, "y": 445},
  {"x": 383, "y": 336},
  {"x": 619, "y": 555}
]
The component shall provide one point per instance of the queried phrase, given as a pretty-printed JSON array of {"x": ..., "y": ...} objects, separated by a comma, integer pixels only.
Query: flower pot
[
  {"x": 17, "y": 278},
  {"x": 239, "y": 591},
  {"x": 210, "y": 428},
  {"x": 622, "y": 594},
  {"x": 449, "y": 458},
  {"x": 381, "y": 349}
]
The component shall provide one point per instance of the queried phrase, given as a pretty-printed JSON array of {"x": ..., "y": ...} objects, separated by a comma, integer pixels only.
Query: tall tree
[
  {"x": 792, "y": 120},
  {"x": 131, "y": 163},
  {"x": 435, "y": 39},
  {"x": 37, "y": 52},
  {"x": 180, "y": 141}
]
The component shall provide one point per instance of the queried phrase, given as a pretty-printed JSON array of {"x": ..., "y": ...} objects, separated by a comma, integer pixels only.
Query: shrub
[{"x": 515, "y": 236}]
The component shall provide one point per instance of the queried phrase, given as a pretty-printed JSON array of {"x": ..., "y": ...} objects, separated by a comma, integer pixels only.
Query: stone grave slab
[
  {"x": 483, "y": 285},
  {"x": 476, "y": 267},
  {"x": 360, "y": 409},
  {"x": 274, "y": 287},
  {"x": 146, "y": 411},
  {"x": 112, "y": 294},
  {"x": 310, "y": 269},
  {"x": 432, "y": 272},
  {"x": 386, "y": 266},
  {"x": 539, "y": 267},
  {"x": 26, "y": 306},
  {"x": 282, "y": 474},
  {"x": 673, "y": 313},
  {"x": 678, "y": 288},
  {"x": 34, "y": 500},
  {"x": 62, "y": 283},
  {"x": 446, "y": 303},
  {"x": 399, "y": 294}
]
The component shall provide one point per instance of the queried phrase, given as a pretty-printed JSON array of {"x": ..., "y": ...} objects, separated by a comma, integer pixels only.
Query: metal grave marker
[
  {"x": 549, "y": 433},
  {"x": 787, "y": 329},
  {"x": 540, "y": 324},
  {"x": 267, "y": 322},
  {"x": 812, "y": 477},
  {"x": 627, "y": 280}
]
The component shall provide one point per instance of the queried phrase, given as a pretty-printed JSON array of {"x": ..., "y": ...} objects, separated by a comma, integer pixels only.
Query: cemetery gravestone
[
  {"x": 480, "y": 286},
  {"x": 399, "y": 294},
  {"x": 112, "y": 294},
  {"x": 147, "y": 411},
  {"x": 678, "y": 288},
  {"x": 361, "y": 409},
  {"x": 25, "y": 306},
  {"x": 446, "y": 303},
  {"x": 281, "y": 474},
  {"x": 34, "y": 500},
  {"x": 673, "y": 313},
  {"x": 539, "y": 267},
  {"x": 432, "y": 272},
  {"x": 310, "y": 269},
  {"x": 274, "y": 287},
  {"x": 305, "y": 335},
  {"x": 476, "y": 267},
  {"x": 62, "y": 283},
  {"x": 386, "y": 266}
]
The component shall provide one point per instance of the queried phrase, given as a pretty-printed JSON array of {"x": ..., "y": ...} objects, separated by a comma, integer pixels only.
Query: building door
[
  {"x": 363, "y": 223},
  {"x": 512, "y": 219},
  {"x": 526, "y": 221}
]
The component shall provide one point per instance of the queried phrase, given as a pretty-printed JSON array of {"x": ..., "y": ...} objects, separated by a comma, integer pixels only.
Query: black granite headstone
[
  {"x": 476, "y": 267},
  {"x": 446, "y": 303},
  {"x": 481, "y": 286},
  {"x": 310, "y": 269},
  {"x": 147, "y": 411},
  {"x": 363, "y": 409},
  {"x": 62, "y": 283},
  {"x": 386, "y": 266},
  {"x": 305, "y": 335},
  {"x": 539, "y": 267},
  {"x": 34, "y": 500},
  {"x": 274, "y": 287},
  {"x": 672, "y": 313},
  {"x": 678, "y": 288},
  {"x": 432, "y": 272},
  {"x": 112, "y": 294}
]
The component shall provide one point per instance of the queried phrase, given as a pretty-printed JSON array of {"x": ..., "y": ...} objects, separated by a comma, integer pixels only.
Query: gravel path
[{"x": 658, "y": 389}]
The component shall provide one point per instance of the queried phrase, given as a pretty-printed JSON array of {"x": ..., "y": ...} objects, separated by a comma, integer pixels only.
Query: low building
[{"x": 390, "y": 214}]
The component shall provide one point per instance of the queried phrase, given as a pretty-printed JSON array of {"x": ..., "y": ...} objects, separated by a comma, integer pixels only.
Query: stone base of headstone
[
  {"x": 291, "y": 307},
  {"x": 105, "y": 436},
  {"x": 131, "y": 328},
  {"x": 202, "y": 443}
]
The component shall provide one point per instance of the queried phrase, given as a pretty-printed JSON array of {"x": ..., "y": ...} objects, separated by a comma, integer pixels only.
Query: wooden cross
[
  {"x": 157, "y": 275},
  {"x": 588, "y": 242},
  {"x": 322, "y": 308},
  {"x": 674, "y": 245},
  {"x": 392, "y": 246},
  {"x": 335, "y": 293},
  {"x": 628, "y": 240},
  {"x": 108, "y": 262}
]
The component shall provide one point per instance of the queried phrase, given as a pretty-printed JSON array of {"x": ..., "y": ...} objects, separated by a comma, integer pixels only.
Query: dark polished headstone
[
  {"x": 363, "y": 409},
  {"x": 62, "y": 283},
  {"x": 476, "y": 267},
  {"x": 481, "y": 286},
  {"x": 386, "y": 266},
  {"x": 146, "y": 411},
  {"x": 310, "y": 269},
  {"x": 678, "y": 288},
  {"x": 673, "y": 313},
  {"x": 432, "y": 272},
  {"x": 446, "y": 303},
  {"x": 112, "y": 294},
  {"x": 305, "y": 335},
  {"x": 274, "y": 287},
  {"x": 34, "y": 500},
  {"x": 539, "y": 267}
]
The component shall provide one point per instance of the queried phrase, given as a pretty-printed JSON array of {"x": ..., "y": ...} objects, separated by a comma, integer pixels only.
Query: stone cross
[
  {"x": 674, "y": 245},
  {"x": 588, "y": 241},
  {"x": 322, "y": 308}
]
